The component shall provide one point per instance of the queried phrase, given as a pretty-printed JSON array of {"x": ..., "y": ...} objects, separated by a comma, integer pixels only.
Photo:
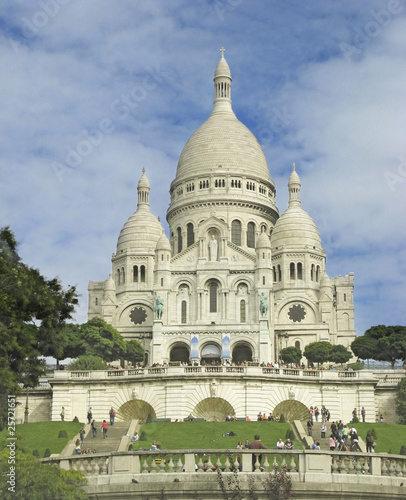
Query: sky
[{"x": 91, "y": 92}]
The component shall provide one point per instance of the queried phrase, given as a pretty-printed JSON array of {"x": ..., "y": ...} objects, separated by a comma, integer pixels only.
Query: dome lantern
[
  {"x": 222, "y": 84},
  {"x": 143, "y": 190},
  {"x": 294, "y": 187}
]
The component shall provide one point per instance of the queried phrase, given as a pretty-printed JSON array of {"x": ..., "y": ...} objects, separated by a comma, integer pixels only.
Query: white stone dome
[
  {"x": 295, "y": 228},
  {"x": 222, "y": 140},
  {"x": 142, "y": 230},
  {"x": 163, "y": 243}
]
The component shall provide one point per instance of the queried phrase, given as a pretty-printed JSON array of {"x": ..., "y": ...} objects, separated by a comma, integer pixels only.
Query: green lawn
[
  {"x": 389, "y": 436},
  {"x": 42, "y": 435},
  {"x": 180, "y": 435}
]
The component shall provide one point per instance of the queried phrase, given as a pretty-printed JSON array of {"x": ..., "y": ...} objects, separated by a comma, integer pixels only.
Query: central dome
[{"x": 222, "y": 142}]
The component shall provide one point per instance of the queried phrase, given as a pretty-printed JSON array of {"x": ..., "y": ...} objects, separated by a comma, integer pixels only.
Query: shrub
[
  {"x": 149, "y": 418},
  {"x": 290, "y": 435},
  {"x": 85, "y": 362},
  {"x": 47, "y": 453},
  {"x": 390, "y": 451},
  {"x": 62, "y": 434},
  {"x": 282, "y": 419},
  {"x": 36, "y": 453},
  {"x": 373, "y": 433},
  {"x": 402, "y": 450},
  {"x": 76, "y": 420},
  {"x": 355, "y": 420},
  {"x": 143, "y": 436},
  {"x": 356, "y": 366}
]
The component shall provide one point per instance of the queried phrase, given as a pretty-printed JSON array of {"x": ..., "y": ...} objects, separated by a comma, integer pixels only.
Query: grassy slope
[
  {"x": 389, "y": 436},
  {"x": 42, "y": 435},
  {"x": 210, "y": 434}
]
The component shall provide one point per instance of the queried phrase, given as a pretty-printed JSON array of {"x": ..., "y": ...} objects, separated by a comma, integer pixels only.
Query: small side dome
[
  {"x": 163, "y": 243},
  {"x": 325, "y": 281},
  {"x": 263, "y": 241},
  {"x": 109, "y": 285}
]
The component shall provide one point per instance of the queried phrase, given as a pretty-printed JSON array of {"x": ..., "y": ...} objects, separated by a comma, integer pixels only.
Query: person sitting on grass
[{"x": 280, "y": 444}]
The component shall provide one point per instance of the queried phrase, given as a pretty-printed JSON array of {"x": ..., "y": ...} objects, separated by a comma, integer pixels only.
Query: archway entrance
[
  {"x": 241, "y": 353},
  {"x": 292, "y": 410},
  {"x": 179, "y": 353},
  {"x": 213, "y": 409},
  {"x": 211, "y": 354},
  {"x": 135, "y": 410}
]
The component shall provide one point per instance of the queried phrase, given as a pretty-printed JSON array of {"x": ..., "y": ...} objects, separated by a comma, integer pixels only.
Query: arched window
[
  {"x": 292, "y": 270},
  {"x": 263, "y": 280},
  {"x": 123, "y": 275},
  {"x": 274, "y": 274},
  {"x": 213, "y": 297},
  {"x": 190, "y": 234},
  {"x": 183, "y": 311},
  {"x": 135, "y": 274},
  {"x": 251, "y": 235},
  {"x": 299, "y": 271},
  {"x": 142, "y": 274},
  {"x": 317, "y": 273},
  {"x": 297, "y": 344},
  {"x": 236, "y": 232},
  {"x": 179, "y": 234},
  {"x": 279, "y": 273},
  {"x": 312, "y": 272},
  {"x": 96, "y": 301},
  {"x": 242, "y": 311},
  {"x": 119, "y": 276}
]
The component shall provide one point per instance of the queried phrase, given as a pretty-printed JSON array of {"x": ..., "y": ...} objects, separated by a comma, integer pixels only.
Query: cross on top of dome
[{"x": 222, "y": 50}]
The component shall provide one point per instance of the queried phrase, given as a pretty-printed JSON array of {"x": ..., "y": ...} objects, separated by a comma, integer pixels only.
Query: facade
[{"x": 234, "y": 281}]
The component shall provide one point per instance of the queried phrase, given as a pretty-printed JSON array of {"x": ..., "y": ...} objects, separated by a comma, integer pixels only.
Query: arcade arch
[
  {"x": 213, "y": 409},
  {"x": 135, "y": 410}
]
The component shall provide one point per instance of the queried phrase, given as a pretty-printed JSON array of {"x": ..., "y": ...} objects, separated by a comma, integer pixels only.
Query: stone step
[{"x": 111, "y": 443}]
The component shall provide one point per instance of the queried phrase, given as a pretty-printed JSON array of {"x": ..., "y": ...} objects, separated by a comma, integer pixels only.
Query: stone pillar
[
  {"x": 265, "y": 343},
  {"x": 156, "y": 352}
]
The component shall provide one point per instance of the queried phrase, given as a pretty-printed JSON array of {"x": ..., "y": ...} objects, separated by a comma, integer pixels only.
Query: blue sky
[{"x": 319, "y": 83}]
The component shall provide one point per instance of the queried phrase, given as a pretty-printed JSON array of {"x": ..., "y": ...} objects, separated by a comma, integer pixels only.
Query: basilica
[{"x": 234, "y": 281}]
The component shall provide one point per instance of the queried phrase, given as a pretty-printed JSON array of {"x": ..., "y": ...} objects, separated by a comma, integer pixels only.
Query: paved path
[{"x": 111, "y": 443}]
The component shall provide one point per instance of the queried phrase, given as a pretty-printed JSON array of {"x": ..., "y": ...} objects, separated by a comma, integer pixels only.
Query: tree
[
  {"x": 88, "y": 363},
  {"x": 36, "y": 480},
  {"x": 339, "y": 354},
  {"x": 98, "y": 338},
  {"x": 291, "y": 355},
  {"x": 400, "y": 400},
  {"x": 382, "y": 343},
  {"x": 33, "y": 311},
  {"x": 317, "y": 352},
  {"x": 135, "y": 352}
]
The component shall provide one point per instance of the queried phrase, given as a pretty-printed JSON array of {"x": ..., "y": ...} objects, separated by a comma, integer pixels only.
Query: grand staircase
[{"x": 111, "y": 443}]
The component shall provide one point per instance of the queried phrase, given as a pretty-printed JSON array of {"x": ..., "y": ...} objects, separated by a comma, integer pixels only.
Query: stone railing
[
  {"x": 196, "y": 461},
  {"x": 389, "y": 378}
]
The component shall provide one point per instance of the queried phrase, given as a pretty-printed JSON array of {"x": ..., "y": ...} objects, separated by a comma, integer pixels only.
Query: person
[
  {"x": 248, "y": 419},
  {"x": 323, "y": 430},
  {"x": 190, "y": 417},
  {"x": 112, "y": 415},
  {"x": 259, "y": 417},
  {"x": 104, "y": 427},
  {"x": 247, "y": 444},
  {"x": 345, "y": 435},
  {"x": 135, "y": 437},
  {"x": 94, "y": 429},
  {"x": 354, "y": 442},
  {"x": 334, "y": 429},
  {"x": 82, "y": 435},
  {"x": 381, "y": 419},
  {"x": 213, "y": 248},
  {"x": 256, "y": 445},
  {"x": 311, "y": 413},
  {"x": 153, "y": 446},
  {"x": 309, "y": 427},
  {"x": 332, "y": 443},
  {"x": 289, "y": 444},
  {"x": 369, "y": 440},
  {"x": 363, "y": 412},
  {"x": 89, "y": 415},
  {"x": 316, "y": 413},
  {"x": 328, "y": 415},
  {"x": 280, "y": 444},
  {"x": 77, "y": 447},
  {"x": 323, "y": 413},
  {"x": 239, "y": 445},
  {"x": 63, "y": 414}
]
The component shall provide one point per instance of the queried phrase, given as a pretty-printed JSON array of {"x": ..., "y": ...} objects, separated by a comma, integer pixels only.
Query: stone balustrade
[{"x": 392, "y": 377}]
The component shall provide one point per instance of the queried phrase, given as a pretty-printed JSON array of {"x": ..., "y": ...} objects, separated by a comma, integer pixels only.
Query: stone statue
[
  {"x": 159, "y": 306},
  {"x": 213, "y": 389},
  {"x": 263, "y": 304},
  {"x": 213, "y": 248}
]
